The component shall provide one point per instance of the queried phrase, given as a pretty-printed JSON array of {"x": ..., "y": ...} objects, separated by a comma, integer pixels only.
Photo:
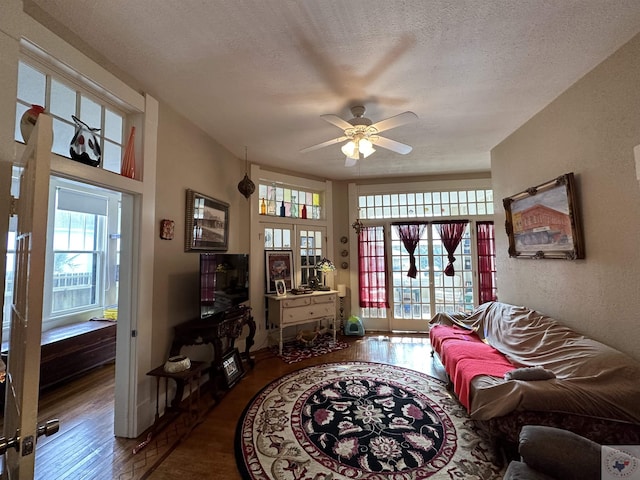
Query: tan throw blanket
[{"x": 591, "y": 378}]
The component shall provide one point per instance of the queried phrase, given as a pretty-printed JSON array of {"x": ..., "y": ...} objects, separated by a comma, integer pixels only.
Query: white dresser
[{"x": 292, "y": 309}]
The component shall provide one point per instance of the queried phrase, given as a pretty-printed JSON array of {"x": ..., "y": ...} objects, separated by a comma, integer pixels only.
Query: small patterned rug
[
  {"x": 360, "y": 420},
  {"x": 296, "y": 351}
]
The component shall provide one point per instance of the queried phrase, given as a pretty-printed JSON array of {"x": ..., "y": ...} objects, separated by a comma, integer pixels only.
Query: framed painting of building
[{"x": 544, "y": 221}]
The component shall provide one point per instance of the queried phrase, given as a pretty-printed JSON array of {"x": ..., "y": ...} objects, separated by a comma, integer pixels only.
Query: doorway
[{"x": 88, "y": 233}]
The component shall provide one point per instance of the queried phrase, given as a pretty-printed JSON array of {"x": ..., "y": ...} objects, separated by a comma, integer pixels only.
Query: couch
[{"x": 511, "y": 366}]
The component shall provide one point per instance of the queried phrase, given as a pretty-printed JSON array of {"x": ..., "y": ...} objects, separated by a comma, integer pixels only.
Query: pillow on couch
[{"x": 529, "y": 373}]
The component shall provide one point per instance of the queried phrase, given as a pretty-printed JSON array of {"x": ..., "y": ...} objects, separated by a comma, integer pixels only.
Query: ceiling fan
[{"x": 361, "y": 134}]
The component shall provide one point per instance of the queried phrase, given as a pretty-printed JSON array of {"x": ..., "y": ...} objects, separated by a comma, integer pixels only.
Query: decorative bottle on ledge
[
  {"x": 28, "y": 121},
  {"x": 282, "y": 209}
]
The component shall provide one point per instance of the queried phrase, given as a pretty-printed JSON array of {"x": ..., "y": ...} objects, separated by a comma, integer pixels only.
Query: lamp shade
[
  {"x": 350, "y": 150},
  {"x": 366, "y": 147},
  {"x": 342, "y": 290}
]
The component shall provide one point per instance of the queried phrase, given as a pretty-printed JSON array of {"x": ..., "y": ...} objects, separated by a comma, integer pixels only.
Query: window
[
  {"x": 487, "y": 287},
  {"x": 81, "y": 278},
  {"x": 426, "y": 204},
  {"x": 281, "y": 201},
  {"x": 308, "y": 251},
  {"x": 83, "y": 244},
  {"x": 311, "y": 252},
  {"x": 373, "y": 299},
  {"x": 62, "y": 100},
  {"x": 413, "y": 300}
]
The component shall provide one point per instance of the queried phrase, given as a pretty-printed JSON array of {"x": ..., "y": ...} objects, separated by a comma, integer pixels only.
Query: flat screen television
[{"x": 224, "y": 282}]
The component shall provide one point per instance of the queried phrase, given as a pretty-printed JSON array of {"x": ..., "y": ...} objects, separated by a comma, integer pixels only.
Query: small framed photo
[
  {"x": 281, "y": 288},
  {"x": 278, "y": 266},
  {"x": 167, "y": 228},
  {"x": 232, "y": 368}
]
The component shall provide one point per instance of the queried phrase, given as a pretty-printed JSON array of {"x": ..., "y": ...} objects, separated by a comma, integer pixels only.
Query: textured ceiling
[{"x": 260, "y": 73}]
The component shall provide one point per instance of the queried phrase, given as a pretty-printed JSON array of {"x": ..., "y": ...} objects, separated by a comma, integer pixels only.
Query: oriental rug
[
  {"x": 296, "y": 351},
  {"x": 360, "y": 420}
]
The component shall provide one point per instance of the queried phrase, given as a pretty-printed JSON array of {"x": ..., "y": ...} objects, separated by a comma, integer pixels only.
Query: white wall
[{"x": 590, "y": 130}]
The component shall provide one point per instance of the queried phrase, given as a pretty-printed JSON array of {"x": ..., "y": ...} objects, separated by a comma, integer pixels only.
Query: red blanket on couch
[{"x": 465, "y": 356}]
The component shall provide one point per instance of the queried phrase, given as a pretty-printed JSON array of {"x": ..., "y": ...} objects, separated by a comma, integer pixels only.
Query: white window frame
[
  {"x": 107, "y": 247},
  {"x": 356, "y": 192},
  {"x": 80, "y": 91}
]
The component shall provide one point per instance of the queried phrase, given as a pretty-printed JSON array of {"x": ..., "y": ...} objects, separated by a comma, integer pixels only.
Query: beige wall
[
  {"x": 188, "y": 158},
  {"x": 590, "y": 130}
]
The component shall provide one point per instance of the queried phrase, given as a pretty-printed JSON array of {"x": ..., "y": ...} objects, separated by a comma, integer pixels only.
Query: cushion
[
  {"x": 529, "y": 373},
  {"x": 559, "y": 453}
]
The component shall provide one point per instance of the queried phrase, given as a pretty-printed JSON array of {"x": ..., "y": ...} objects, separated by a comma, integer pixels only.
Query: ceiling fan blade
[
  {"x": 350, "y": 162},
  {"x": 392, "y": 145},
  {"x": 395, "y": 121},
  {"x": 324, "y": 144},
  {"x": 337, "y": 121}
]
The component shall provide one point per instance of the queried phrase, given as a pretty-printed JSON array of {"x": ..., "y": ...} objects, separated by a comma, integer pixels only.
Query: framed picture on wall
[
  {"x": 278, "y": 266},
  {"x": 207, "y": 223},
  {"x": 544, "y": 221}
]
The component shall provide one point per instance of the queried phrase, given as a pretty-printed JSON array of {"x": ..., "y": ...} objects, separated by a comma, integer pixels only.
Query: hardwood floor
[{"x": 85, "y": 447}]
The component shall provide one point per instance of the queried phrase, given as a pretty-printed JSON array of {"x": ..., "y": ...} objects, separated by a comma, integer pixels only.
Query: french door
[{"x": 413, "y": 301}]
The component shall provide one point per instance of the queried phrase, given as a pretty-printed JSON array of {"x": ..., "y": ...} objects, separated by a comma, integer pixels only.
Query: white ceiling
[{"x": 259, "y": 73}]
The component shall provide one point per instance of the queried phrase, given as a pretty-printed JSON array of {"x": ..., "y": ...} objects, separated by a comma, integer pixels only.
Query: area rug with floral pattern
[
  {"x": 360, "y": 420},
  {"x": 296, "y": 351}
]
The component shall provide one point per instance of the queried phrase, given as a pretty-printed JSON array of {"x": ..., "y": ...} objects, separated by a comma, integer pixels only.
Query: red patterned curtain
[
  {"x": 451, "y": 234},
  {"x": 410, "y": 234},
  {"x": 486, "y": 262},
  {"x": 372, "y": 268}
]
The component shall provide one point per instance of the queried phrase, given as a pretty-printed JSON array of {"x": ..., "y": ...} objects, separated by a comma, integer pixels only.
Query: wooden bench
[{"x": 71, "y": 350}]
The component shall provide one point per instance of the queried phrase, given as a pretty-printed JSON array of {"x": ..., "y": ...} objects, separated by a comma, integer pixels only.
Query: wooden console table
[
  {"x": 221, "y": 331},
  {"x": 189, "y": 377},
  {"x": 291, "y": 309}
]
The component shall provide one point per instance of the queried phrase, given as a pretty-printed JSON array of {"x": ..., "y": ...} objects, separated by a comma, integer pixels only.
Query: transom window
[
  {"x": 62, "y": 100},
  {"x": 280, "y": 201},
  {"x": 426, "y": 204}
]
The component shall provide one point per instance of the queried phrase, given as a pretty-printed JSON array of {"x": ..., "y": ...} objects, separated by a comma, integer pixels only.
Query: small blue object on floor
[{"x": 354, "y": 326}]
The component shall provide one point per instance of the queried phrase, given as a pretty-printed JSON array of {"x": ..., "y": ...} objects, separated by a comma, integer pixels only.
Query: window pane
[
  {"x": 74, "y": 284},
  {"x": 62, "y": 135},
  {"x": 90, "y": 112},
  {"x": 31, "y": 85},
  {"x": 63, "y": 100},
  {"x": 111, "y": 157},
  {"x": 113, "y": 126}
]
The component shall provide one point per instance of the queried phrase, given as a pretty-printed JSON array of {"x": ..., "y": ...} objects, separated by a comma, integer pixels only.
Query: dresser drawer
[
  {"x": 308, "y": 313},
  {"x": 296, "y": 302},
  {"x": 324, "y": 299}
]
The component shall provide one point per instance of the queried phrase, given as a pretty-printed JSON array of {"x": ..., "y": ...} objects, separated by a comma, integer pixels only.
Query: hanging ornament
[
  {"x": 128, "y": 165},
  {"x": 246, "y": 187}
]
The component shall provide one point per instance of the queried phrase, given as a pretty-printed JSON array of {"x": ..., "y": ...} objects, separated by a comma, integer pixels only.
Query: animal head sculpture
[{"x": 84, "y": 146}]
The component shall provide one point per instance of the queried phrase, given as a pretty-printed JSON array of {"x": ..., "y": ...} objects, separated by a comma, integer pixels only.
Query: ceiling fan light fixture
[
  {"x": 350, "y": 150},
  {"x": 366, "y": 147}
]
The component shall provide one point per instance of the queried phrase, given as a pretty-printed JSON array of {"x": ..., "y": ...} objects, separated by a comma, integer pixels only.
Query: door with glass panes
[{"x": 414, "y": 301}]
